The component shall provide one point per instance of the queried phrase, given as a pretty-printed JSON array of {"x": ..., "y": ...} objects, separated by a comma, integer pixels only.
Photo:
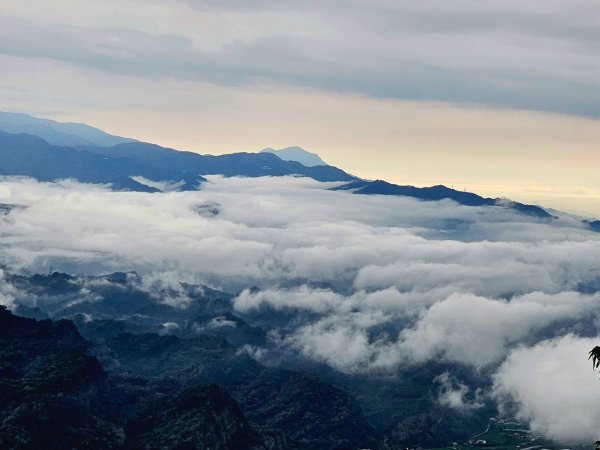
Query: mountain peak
[{"x": 297, "y": 154}]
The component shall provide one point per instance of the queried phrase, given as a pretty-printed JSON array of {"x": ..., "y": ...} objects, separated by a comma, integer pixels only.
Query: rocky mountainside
[{"x": 55, "y": 394}]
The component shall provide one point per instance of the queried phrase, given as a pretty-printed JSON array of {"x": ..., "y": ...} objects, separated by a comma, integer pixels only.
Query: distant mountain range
[
  {"x": 189, "y": 164},
  {"x": 439, "y": 192},
  {"x": 298, "y": 154},
  {"x": 56, "y": 133},
  {"x": 49, "y": 150},
  {"x": 26, "y": 154}
]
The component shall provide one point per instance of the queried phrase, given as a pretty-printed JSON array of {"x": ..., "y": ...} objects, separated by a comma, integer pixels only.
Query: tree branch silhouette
[{"x": 594, "y": 355}]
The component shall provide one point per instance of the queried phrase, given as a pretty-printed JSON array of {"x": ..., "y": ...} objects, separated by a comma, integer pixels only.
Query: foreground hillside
[
  {"x": 48, "y": 377},
  {"x": 54, "y": 394}
]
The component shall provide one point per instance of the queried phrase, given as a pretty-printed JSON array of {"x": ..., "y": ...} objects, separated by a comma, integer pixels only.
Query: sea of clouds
[{"x": 360, "y": 283}]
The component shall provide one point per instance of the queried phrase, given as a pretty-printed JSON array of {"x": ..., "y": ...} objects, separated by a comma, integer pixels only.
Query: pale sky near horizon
[{"x": 500, "y": 98}]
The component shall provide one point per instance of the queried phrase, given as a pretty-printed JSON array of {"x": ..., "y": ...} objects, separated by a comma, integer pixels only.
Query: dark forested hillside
[
  {"x": 148, "y": 389},
  {"x": 54, "y": 394}
]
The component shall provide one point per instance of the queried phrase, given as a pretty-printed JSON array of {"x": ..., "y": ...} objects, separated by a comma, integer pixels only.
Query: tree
[{"x": 594, "y": 355}]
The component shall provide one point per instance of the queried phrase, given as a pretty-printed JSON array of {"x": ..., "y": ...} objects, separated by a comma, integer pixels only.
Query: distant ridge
[
  {"x": 139, "y": 166},
  {"x": 593, "y": 224},
  {"x": 57, "y": 133},
  {"x": 297, "y": 154},
  {"x": 29, "y": 155},
  {"x": 230, "y": 165},
  {"x": 440, "y": 192}
]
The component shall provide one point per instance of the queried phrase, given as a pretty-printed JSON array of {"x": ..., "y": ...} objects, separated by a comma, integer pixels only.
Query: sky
[{"x": 500, "y": 98}]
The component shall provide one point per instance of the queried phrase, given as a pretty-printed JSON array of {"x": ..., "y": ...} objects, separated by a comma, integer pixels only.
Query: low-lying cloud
[
  {"x": 456, "y": 395},
  {"x": 360, "y": 283},
  {"x": 553, "y": 388}
]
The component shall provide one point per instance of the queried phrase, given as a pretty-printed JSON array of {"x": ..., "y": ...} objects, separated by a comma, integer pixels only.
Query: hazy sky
[{"x": 502, "y": 98}]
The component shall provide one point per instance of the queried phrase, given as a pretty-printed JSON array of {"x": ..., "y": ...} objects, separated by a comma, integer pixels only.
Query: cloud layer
[{"x": 364, "y": 284}]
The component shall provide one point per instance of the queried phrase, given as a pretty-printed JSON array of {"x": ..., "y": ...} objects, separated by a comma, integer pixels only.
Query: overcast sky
[{"x": 499, "y": 97}]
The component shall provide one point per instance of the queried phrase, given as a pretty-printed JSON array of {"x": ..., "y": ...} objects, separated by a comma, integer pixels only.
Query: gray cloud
[{"x": 540, "y": 55}]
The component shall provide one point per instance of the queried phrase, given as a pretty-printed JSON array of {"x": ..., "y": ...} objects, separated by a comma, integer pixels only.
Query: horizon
[
  {"x": 500, "y": 99},
  {"x": 576, "y": 200}
]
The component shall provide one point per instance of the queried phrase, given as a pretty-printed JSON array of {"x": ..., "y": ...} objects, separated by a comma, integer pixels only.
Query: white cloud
[
  {"x": 382, "y": 273},
  {"x": 164, "y": 186},
  {"x": 479, "y": 331},
  {"x": 455, "y": 394},
  {"x": 8, "y": 293},
  {"x": 554, "y": 389},
  {"x": 362, "y": 333}
]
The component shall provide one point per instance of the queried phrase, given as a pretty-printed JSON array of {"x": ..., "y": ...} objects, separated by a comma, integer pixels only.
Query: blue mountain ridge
[
  {"x": 298, "y": 154},
  {"x": 439, "y": 192},
  {"x": 57, "y": 133},
  {"x": 234, "y": 164},
  {"x": 30, "y": 155}
]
